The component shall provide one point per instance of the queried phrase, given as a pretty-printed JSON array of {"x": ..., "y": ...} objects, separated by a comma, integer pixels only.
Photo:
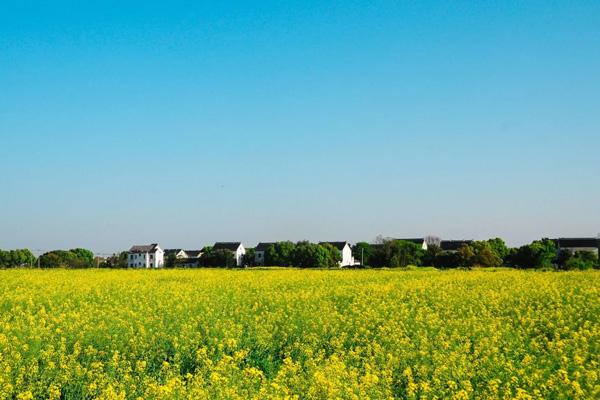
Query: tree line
[
  {"x": 301, "y": 255},
  {"x": 540, "y": 254},
  {"x": 286, "y": 254}
]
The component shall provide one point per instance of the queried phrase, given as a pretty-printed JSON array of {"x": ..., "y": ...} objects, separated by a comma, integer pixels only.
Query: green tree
[
  {"x": 538, "y": 254},
  {"x": 56, "y": 259},
  {"x": 446, "y": 259},
  {"x": 117, "y": 260},
  {"x": 396, "y": 253},
  {"x": 466, "y": 255},
  {"x": 310, "y": 255},
  {"x": 249, "y": 257},
  {"x": 218, "y": 258},
  {"x": 563, "y": 258},
  {"x": 485, "y": 255},
  {"x": 16, "y": 258},
  {"x": 280, "y": 254},
  {"x": 582, "y": 260},
  {"x": 76, "y": 258},
  {"x": 500, "y": 248},
  {"x": 362, "y": 252},
  {"x": 83, "y": 258},
  {"x": 171, "y": 261},
  {"x": 431, "y": 254},
  {"x": 335, "y": 255}
]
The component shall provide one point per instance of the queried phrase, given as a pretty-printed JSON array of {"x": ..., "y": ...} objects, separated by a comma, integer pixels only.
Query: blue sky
[{"x": 188, "y": 122}]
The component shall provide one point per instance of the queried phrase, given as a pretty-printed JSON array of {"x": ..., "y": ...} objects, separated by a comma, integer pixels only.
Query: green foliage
[
  {"x": 485, "y": 256},
  {"x": 431, "y": 254},
  {"x": 118, "y": 260},
  {"x": 563, "y": 257},
  {"x": 86, "y": 256},
  {"x": 538, "y": 254},
  {"x": 499, "y": 248},
  {"x": 280, "y": 254},
  {"x": 16, "y": 258},
  {"x": 489, "y": 253},
  {"x": 171, "y": 261},
  {"x": 481, "y": 254},
  {"x": 311, "y": 255},
  {"x": 362, "y": 252},
  {"x": 302, "y": 255},
  {"x": 335, "y": 255},
  {"x": 75, "y": 258},
  {"x": 396, "y": 253},
  {"x": 581, "y": 260},
  {"x": 446, "y": 259},
  {"x": 466, "y": 254},
  {"x": 217, "y": 258},
  {"x": 249, "y": 257}
]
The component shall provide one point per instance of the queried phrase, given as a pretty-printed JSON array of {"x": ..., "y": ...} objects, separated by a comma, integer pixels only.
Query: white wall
[
  {"x": 143, "y": 260},
  {"x": 239, "y": 255},
  {"x": 138, "y": 260},
  {"x": 347, "y": 258},
  {"x": 159, "y": 258}
]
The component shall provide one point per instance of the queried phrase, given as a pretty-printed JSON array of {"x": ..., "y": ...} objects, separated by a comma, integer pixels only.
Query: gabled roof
[
  {"x": 263, "y": 246},
  {"x": 172, "y": 251},
  {"x": 193, "y": 253},
  {"x": 576, "y": 242},
  {"x": 233, "y": 246},
  {"x": 148, "y": 248},
  {"x": 337, "y": 245},
  {"x": 453, "y": 245}
]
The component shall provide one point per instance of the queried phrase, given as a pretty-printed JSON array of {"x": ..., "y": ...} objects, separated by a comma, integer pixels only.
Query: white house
[
  {"x": 260, "y": 251},
  {"x": 146, "y": 256},
  {"x": 345, "y": 250},
  {"x": 237, "y": 248},
  {"x": 178, "y": 253},
  {"x": 191, "y": 260},
  {"x": 193, "y": 253}
]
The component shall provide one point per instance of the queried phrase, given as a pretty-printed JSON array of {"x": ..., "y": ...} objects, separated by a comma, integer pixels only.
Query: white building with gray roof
[{"x": 146, "y": 256}]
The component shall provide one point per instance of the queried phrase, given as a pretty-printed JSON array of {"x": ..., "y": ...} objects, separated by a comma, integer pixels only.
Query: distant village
[
  {"x": 153, "y": 256},
  {"x": 430, "y": 251}
]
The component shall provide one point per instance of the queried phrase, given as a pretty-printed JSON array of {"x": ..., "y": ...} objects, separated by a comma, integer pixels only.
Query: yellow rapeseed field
[{"x": 271, "y": 334}]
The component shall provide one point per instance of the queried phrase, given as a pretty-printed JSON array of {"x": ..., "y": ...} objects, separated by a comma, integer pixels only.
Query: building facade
[
  {"x": 178, "y": 253},
  {"x": 577, "y": 244},
  {"x": 237, "y": 248},
  {"x": 260, "y": 252},
  {"x": 146, "y": 256},
  {"x": 345, "y": 251}
]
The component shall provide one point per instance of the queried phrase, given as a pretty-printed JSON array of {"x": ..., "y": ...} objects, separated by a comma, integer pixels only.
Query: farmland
[{"x": 299, "y": 334}]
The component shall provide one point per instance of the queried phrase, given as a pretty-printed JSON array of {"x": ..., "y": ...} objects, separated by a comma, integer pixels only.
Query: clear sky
[{"x": 185, "y": 123}]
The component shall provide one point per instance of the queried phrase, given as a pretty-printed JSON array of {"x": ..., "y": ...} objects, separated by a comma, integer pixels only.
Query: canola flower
[{"x": 299, "y": 334}]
